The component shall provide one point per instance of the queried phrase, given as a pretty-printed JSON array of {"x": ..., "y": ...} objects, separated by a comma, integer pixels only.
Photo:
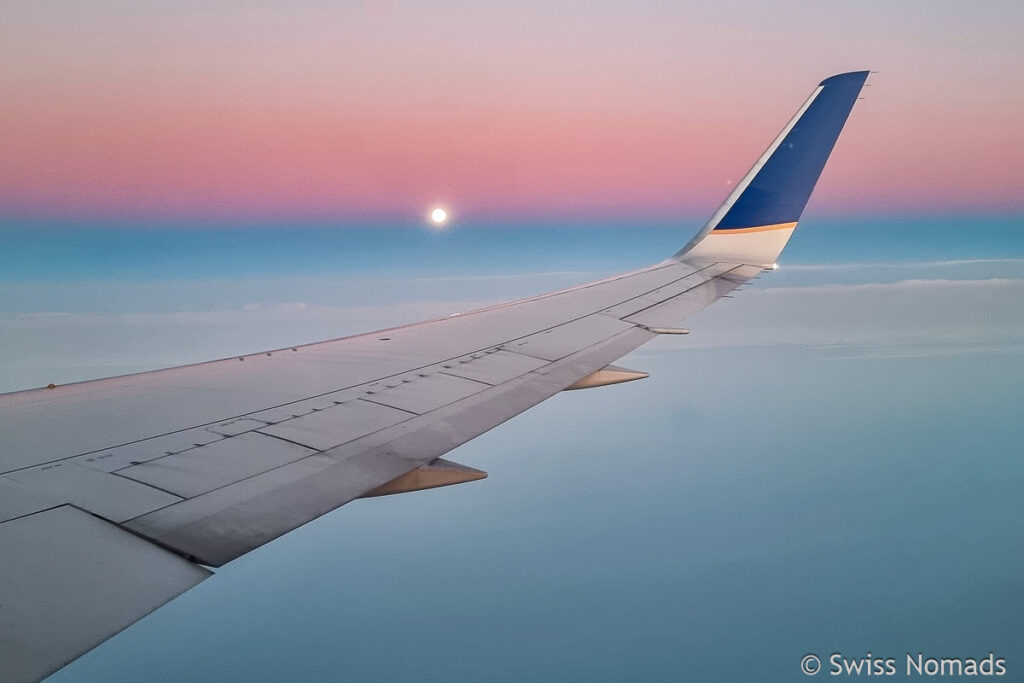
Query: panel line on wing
[
  {"x": 732, "y": 268},
  {"x": 656, "y": 296}
]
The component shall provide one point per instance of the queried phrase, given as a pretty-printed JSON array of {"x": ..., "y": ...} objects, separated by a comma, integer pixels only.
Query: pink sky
[{"x": 341, "y": 110}]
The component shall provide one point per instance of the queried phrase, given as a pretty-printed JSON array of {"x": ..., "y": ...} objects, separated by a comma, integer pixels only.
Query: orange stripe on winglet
[{"x": 759, "y": 228}]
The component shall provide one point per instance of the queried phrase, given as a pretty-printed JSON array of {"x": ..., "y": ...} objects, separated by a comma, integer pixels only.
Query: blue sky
[{"x": 829, "y": 463}]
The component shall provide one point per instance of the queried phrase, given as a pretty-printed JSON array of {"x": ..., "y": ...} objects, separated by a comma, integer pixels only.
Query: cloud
[
  {"x": 204, "y": 294},
  {"x": 902, "y": 265},
  {"x": 890, "y": 272},
  {"x": 916, "y": 316}
]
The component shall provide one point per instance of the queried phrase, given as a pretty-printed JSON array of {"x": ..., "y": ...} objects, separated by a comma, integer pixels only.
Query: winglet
[{"x": 757, "y": 218}]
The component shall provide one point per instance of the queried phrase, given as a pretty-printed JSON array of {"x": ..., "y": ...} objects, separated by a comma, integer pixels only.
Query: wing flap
[
  {"x": 55, "y": 607},
  {"x": 216, "y": 527}
]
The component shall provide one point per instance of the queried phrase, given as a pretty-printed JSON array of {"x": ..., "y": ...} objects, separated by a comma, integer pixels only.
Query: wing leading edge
[{"x": 115, "y": 493}]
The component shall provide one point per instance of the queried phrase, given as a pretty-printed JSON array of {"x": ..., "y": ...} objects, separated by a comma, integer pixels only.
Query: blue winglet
[
  {"x": 779, "y": 191},
  {"x": 756, "y": 220}
]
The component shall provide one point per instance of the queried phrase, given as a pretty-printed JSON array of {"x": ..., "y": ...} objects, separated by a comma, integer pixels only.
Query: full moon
[{"x": 439, "y": 216}]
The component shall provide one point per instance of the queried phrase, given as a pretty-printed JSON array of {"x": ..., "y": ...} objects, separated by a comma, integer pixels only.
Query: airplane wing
[{"x": 117, "y": 495}]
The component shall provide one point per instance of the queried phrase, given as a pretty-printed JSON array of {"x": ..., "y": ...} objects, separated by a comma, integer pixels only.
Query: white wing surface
[{"x": 117, "y": 494}]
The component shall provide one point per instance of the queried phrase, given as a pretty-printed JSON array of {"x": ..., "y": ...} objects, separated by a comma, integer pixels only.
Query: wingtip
[
  {"x": 849, "y": 76},
  {"x": 756, "y": 220}
]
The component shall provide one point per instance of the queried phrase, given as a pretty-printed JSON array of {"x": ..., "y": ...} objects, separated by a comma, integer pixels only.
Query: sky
[
  {"x": 375, "y": 111},
  {"x": 829, "y": 463}
]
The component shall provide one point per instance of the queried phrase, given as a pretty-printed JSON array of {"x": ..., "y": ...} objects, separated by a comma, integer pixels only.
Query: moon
[{"x": 438, "y": 216}]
